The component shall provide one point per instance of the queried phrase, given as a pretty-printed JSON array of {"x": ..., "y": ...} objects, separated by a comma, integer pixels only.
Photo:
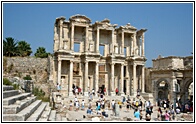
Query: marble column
[
  {"x": 128, "y": 80},
  {"x": 112, "y": 80},
  {"x": 135, "y": 84},
  {"x": 70, "y": 78},
  {"x": 112, "y": 45},
  {"x": 59, "y": 71},
  {"x": 72, "y": 37},
  {"x": 143, "y": 79},
  {"x": 86, "y": 79},
  {"x": 122, "y": 42},
  {"x": 122, "y": 78},
  {"x": 97, "y": 43},
  {"x": 143, "y": 44},
  {"x": 60, "y": 35},
  {"x": 132, "y": 45},
  {"x": 86, "y": 41},
  {"x": 96, "y": 77}
]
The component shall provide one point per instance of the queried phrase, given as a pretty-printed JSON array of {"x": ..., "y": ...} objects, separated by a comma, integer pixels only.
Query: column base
[
  {"x": 122, "y": 94},
  {"x": 85, "y": 93},
  {"x": 112, "y": 93},
  {"x": 70, "y": 93}
]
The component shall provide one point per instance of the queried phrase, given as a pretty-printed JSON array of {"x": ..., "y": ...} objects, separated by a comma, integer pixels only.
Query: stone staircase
[{"x": 25, "y": 107}]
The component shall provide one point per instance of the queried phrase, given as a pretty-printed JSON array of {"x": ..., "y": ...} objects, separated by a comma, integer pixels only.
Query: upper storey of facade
[{"x": 78, "y": 36}]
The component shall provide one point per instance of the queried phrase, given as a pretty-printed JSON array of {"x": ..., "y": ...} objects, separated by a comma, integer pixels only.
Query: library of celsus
[{"x": 97, "y": 56}]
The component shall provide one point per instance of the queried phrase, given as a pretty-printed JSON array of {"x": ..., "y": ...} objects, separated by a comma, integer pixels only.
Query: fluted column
[
  {"x": 135, "y": 84},
  {"x": 134, "y": 44},
  {"x": 122, "y": 78},
  {"x": 60, "y": 35},
  {"x": 97, "y": 43},
  {"x": 72, "y": 37},
  {"x": 127, "y": 81},
  {"x": 112, "y": 45},
  {"x": 122, "y": 42},
  {"x": 143, "y": 79},
  {"x": 86, "y": 79},
  {"x": 143, "y": 44},
  {"x": 96, "y": 76},
  {"x": 70, "y": 78},
  {"x": 59, "y": 71},
  {"x": 112, "y": 79},
  {"x": 86, "y": 41}
]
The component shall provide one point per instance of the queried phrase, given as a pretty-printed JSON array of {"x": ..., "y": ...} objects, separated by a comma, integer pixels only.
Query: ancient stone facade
[
  {"x": 99, "y": 55},
  {"x": 170, "y": 78}
]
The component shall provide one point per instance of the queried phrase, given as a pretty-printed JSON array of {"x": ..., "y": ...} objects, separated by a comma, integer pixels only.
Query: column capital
[
  {"x": 71, "y": 61},
  {"x": 112, "y": 63}
]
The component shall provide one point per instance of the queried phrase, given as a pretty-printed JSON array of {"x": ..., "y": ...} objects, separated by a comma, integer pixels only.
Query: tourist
[
  {"x": 70, "y": 106},
  {"x": 159, "y": 114},
  {"x": 104, "y": 91},
  {"x": 93, "y": 92},
  {"x": 116, "y": 91},
  {"x": 141, "y": 114},
  {"x": 124, "y": 99},
  {"x": 76, "y": 90},
  {"x": 128, "y": 98},
  {"x": 104, "y": 113},
  {"x": 103, "y": 104},
  {"x": 113, "y": 106},
  {"x": 164, "y": 105},
  {"x": 89, "y": 110},
  {"x": 167, "y": 116},
  {"x": 77, "y": 105},
  {"x": 120, "y": 104},
  {"x": 137, "y": 115},
  {"x": 128, "y": 105},
  {"x": 58, "y": 87},
  {"x": 82, "y": 105}
]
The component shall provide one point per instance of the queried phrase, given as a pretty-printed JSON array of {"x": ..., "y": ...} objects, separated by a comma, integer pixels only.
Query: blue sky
[{"x": 170, "y": 25}]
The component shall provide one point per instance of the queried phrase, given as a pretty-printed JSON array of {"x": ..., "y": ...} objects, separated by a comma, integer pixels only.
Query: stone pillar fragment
[
  {"x": 97, "y": 43},
  {"x": 86, "y": 40},
  {"x": 127, "y": 81},
  {"x": 86, "y": 79},
  {"x": 59, "y": 71},
  {"x": 132, "y": 45},
  {"x": 135, "y": 85},
  {"x": 72, "y": 37},
  {"x": 143, "y": 79},
  {"x": 96, "y": 76},
  {"x": 112, "y": 80},
  {"x": 71, "y": 78},
  {"x": 122, "y": 79},
  {"x": 143, "y": 44},
  {"x": 122, "y": 42}
]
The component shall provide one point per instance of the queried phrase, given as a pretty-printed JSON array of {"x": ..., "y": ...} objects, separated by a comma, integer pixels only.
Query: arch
[
  {"x": 81, "y": 18},
  {"x": 160, "y": 80}
]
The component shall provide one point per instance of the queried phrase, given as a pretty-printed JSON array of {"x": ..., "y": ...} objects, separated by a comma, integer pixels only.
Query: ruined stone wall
[{"x": 38, "y": 69}]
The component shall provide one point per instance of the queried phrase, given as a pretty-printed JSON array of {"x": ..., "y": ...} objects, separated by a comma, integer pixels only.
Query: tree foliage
[
  {"x": 41, "y": 53},
  {"x": 24, "y": 49},
  {"x": 9, "y": 47},
  {"x": 13, "y": 48}
]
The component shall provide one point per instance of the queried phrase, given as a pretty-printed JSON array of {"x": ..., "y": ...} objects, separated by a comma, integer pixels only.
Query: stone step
[
  {"x": 13, "y": 99},
  {"x": 18, "y": 106},
  {"x": 52, "y": 116},
  {"x": 7, "y": 87},
  {"x": 37, "y": 114},
  {"x": 45, "y": 115},
  {"x": 10, "y": 93},
  {"x": 24, "y": 114},
  {"x": 58, "y": 117}
]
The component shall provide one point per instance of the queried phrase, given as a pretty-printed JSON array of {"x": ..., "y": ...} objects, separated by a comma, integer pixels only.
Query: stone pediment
[
  {"x": 105, "y": 24},
  {"x": 80, "y": 19},
  {"x": 128, "y": 27}
]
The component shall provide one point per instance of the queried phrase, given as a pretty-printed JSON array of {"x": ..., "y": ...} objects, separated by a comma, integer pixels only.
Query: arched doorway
[{"x": 162, "y": 90}]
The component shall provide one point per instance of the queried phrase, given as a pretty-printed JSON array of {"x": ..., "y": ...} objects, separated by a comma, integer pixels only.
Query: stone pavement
[{"x": 124, "y": 115}]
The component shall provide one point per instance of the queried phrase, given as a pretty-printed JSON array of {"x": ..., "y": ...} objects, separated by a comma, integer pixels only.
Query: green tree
[
  {"x": 24, "y": 49},
  {"x": 9, "y": 47},
  {"x": 41, "y": 53}
]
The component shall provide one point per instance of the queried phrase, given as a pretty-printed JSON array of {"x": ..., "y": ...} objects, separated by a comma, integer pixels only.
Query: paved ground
[{"x": 123, "y": 115}]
